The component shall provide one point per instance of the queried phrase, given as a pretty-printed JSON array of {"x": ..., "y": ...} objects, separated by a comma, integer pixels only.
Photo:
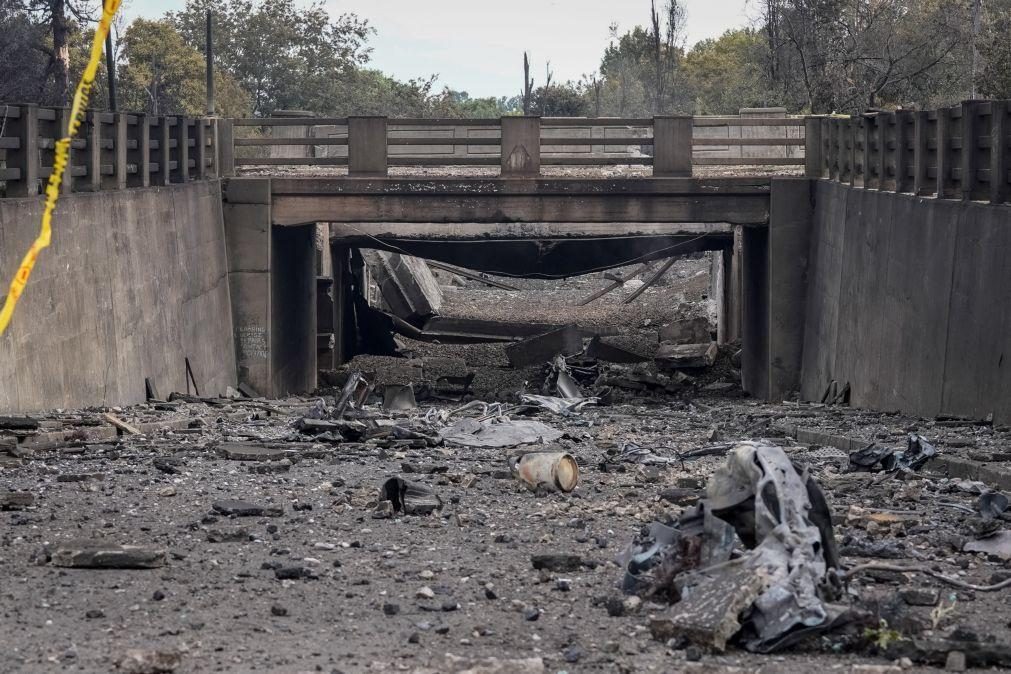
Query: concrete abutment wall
[
  {"x": 908, "y": 302},
  {"x": 134, "y": 283},
  {"x": 272, "y": 279}
]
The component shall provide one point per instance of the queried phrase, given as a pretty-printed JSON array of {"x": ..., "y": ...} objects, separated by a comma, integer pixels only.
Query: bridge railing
[
  {"x": 961, "y": 152},
  {"x": 519, "y": 146},
  {"x": 111, "y": 151}
]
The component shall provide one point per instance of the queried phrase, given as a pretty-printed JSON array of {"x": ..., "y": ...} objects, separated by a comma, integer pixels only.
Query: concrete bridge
[{"x": 878, "y": 265}]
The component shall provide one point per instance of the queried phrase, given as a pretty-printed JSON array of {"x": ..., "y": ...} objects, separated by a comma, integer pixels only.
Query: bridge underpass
[{"x": 536, "y": 227}]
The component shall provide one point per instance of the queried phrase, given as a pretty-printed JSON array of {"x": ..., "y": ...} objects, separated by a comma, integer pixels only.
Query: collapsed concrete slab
[
  {"x": 407, "y": 284},
  {"x": 564, "y": 341},
  {"x": 674, "y": 356}
]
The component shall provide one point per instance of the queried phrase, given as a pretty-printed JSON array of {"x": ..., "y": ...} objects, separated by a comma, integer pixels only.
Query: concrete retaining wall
[
  {"x": 908, "y": 301},
  {"x": 135, "y": 282}
]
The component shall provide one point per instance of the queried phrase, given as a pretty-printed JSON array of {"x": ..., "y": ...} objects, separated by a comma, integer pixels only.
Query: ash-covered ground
[{"x": 311, "y": 571}]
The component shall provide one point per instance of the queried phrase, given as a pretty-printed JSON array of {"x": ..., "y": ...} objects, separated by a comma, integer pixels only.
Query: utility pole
[
  {"x": 977, "y": 20},
  {"x": 110, "y": 67},
  {"x": 209, "y": 51}
]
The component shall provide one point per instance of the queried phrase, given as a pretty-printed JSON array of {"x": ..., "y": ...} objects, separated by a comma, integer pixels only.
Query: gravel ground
[{"x": 316, "y": 582}]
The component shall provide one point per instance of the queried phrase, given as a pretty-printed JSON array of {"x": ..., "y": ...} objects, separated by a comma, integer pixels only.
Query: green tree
[
  {"x": 161, "y": 74},
  {"x": 285, "y": 55},
  {"x": 727, "y": 73}
]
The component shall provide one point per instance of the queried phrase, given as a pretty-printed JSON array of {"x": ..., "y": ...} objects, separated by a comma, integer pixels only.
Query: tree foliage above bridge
[{"x": 805, "y": 55}]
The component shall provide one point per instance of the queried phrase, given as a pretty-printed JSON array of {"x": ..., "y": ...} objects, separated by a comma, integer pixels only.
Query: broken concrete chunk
[
  {"x": 623, "y": 348},
  {"x": 399, "y": 397},
  {"x": 565, "y": 341},
  {"x": 98, "y": 555},
  {"x": 241, "y": 451},
  {"x": 16, "y": 500},
  {"x": 687, "y": 331},
  {"x": 676, "y": 356},
  {"x": 19, "y": 423},
  {"x": 557, "y": 562},
  {"x": 137, "y": 661},
  {"x": 406, "y": 283},
  {"x": 236, "y": 508}
]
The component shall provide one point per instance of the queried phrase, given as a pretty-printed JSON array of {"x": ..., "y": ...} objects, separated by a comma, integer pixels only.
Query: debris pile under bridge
[{"x": 448, "y": 510}]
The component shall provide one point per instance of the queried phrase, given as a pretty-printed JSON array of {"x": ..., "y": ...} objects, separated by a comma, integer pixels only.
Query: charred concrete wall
[
  {"x": 135, "y": 282},
  {"x": 908, "y": 301}
]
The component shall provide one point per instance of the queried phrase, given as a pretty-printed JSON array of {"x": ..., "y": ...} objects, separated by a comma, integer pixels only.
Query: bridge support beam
[
  {"x": 271, "y": 274},
  {"x": 774, "y": 266}
]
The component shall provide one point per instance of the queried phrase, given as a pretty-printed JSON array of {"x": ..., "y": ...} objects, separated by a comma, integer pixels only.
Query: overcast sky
[{"x": 477, "y": 45}]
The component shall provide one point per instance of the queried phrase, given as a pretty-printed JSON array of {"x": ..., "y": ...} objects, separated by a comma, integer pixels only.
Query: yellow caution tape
[{"x": 60, "y": 159}]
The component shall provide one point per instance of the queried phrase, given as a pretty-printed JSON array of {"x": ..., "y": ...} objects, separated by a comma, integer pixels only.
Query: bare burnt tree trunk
[
  {"x": 528, "y": 85},
  {"x": 60, "y": 66}
]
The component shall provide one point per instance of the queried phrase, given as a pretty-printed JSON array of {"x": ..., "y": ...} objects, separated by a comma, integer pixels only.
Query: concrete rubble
[{"x": 672, "y": 525}]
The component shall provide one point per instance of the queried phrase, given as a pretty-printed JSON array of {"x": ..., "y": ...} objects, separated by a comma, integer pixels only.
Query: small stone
[
  {"x": 167, "y": 491},
  {"x": 158, "y": 595},
  {"x": 563, "y": 584},
  {"x": 427, "y": 574},
  {"x": 221, "y": 535},
  {"x": 955, "y": 662},
  {"x": 693, "y": 653},
  {"x": 391, "y": 609},
  {"x": 915, "y": 596},
  {"x": 137, "y": 661},
  {"x": 236, "y": 508},
  {"x": 615, "y": 607},
  {"x": 239, "y": 451},
  {"x": 631, "y": 604},
  {"x": 557, "y": 562},
  {"x": 290, "y": 572},
  {"x": 531, "y": 613},
  {"x": 450, "y": 605},
  {"x": 383, "y": 510},
  {"x": 573, "y": 653},
  {"x": 278, "y": 610},
  {"x": 94, "y": 614},
  {"x": 490, "y": 593},
  {"x": 98, "y": 555},
  {"x": 425, "y": 593},
  {"x": 415, "y": 638}
]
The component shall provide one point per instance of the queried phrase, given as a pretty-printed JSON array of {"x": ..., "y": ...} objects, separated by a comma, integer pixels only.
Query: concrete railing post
[
  {"x": 117, "y": 181},
  {"x": 24, "y": 158},
  {"x": 164, "y": 138},
  {"x": 521, "y": 147},
  {"x": 970, "y": 149},
  {"x": 367, "y": 147},
  {"x": 921, "y": 154},
  {"x": 999, "y": 164},
  {"x": 867, "y": 124},
  {"x": 945, "y": 154},
  {"x": 201, "y": 148},
  {"x": 93, "y": 160},
  {"x": 813, "y": 148},
  {"x": 903, "y": 125},
  {"x": 62, "y": 124},
  {"x": 138, "y": 153},
  {"x": 226, "y": 148},
  {"x": 833, "y": 148},
  {"x": 672, "y": 146},
  {"x": 883, "y": 126}
]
